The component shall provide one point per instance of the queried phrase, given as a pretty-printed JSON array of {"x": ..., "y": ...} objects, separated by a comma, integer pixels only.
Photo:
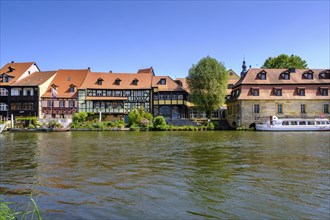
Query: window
[
  {"x": 71, "y": 103},
  {"x": 50, "y": 103},
  {"x": 5, "y": 78},
  {"x": 324, "y": 91},
  {"x": 301, "y": 91},
  {"x": 162, "y": 81},
  {"x": 99, "y": 93},
  {"x": 99, "y": 81},
  {"x": 262, "y": 75},
  {"x": 308, "y": 74},
  {"x": 255, "y": 91},
  {"x": 117, "y": 81},
  {"x": 229, "y": 86},
  {"x": 256, "y": 109},
  {"x": 71, "y": 89},
  {"x": 3, "y": 107},
  {"x": 285, "y": 76},
  {"x": 61, "y": 103},
  {"x": 278, "y": 91},
  {"x": 324, "y": 74},
  {"x": 3, "y": 92},
  {"x": 118, "y": 93},
  {"x": 303, "y": 108},
  {"x": 326, "y": 108},
  {"x": 280, "y": 109},
  {"x": 135, "y": 82}
]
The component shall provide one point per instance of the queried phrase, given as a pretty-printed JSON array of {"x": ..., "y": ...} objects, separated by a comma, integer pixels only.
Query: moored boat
[{"x": 294, "y": 124}]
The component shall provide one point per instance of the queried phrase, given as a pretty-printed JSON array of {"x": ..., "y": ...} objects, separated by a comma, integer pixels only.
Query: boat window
[
  {"x": 285, "y": 123},
  {"x": 293, "y": 123},
  {"x": 302, "y": 123},
  {"x": 317, "y": 122},
  {"x": 311, "y": 123}
]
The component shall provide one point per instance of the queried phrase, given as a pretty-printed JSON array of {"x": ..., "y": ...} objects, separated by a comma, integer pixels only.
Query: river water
[{"x": 169, "y": 175}]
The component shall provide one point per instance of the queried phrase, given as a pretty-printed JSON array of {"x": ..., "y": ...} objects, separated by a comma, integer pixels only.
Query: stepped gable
[
  {"x": 35, "y": 79},
  {"x": 15, "y": 71},
  {"x": 65, "y": 79},
  {"x": 103, "y": 80}
]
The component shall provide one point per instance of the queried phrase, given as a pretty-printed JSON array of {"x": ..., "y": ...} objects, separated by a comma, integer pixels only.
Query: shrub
[
  {"x": 31, "y": 126},
  {"x": 211, "y": 126},
  {"x": 160, "y": 123},
  {"x": 140, "y": 117},
  {"x": 79, "y": 117}
]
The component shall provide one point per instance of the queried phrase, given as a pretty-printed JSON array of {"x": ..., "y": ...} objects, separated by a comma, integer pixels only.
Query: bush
[
  {"x": 135, "y": 127},
  {"x": 79, "y": 117},
  {"x": 31, "y": 126},
  {"x": 211, "y": 126},
  {"x": 140, "y": 117},
  {"x": 160, "y": 123}
]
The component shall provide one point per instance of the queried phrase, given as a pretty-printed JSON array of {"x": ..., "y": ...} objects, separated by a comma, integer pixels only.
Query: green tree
[
  {"x": 207, "y": 82},
  {"x": 284, "y": 61},
  {"x": 139, "y": 117}
]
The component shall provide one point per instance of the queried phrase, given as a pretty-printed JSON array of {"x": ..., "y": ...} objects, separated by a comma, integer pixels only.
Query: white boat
[
  {"x": 294, "y": 124},
  {"x": 2, "y": 127}
]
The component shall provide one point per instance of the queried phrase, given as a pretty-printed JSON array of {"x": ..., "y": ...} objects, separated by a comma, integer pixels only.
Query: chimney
[
  {"x": 110, "y": 71},
  {"x": 292, "y": 70},
  {"x": 12, "y": 62},
  {"x": 89, "y": 69}
]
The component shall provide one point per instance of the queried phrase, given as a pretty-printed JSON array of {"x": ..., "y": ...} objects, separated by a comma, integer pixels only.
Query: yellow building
[{"x": 261, "y": 93}]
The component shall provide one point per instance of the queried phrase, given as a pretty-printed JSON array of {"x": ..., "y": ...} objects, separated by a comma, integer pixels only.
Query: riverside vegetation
[{"x": 8, "y": 210}]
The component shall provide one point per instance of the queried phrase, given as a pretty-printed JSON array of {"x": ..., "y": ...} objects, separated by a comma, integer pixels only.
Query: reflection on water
[{"x": 169, "y": 175}]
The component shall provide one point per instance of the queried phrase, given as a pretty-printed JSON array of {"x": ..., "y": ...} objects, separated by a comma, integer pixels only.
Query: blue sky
[{"x": 170, "y": 36}]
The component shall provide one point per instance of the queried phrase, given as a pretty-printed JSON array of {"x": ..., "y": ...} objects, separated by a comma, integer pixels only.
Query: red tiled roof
[
  {"x": 126, "y": 81},
  {"x": 170, "y": 85},
  {"x": 63, "y": 80},
  {"x": 17, "y": 70},
  {"x": 148, "y": 70},
  {"x": 35, "y": 79}
]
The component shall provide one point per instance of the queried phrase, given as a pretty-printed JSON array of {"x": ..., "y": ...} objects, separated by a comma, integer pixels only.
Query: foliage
[
  {"x": 140, "y": 117},
  {"x": 135, "y": 127},
  {"x": 31, "y": 126},
  {"x": 54, "y": 124},
  {"x": 160, "y": 123},
  {"x": 208, "y": 84},
  {"x": 211, "y": 126},
  {"x": 284, "y": 61},
  {"x": 6, "y": 212},
  {"x": 79, "y": 117}
]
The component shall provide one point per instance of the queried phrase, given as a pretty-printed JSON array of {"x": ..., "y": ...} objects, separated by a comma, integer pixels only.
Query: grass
[{"x": 8, "y": 213}]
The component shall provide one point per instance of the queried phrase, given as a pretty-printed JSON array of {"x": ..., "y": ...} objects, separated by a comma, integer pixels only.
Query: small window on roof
[
  {"x": 285, "y": 75},
  {"x": 117, "y": 81},
  {"x": 99, "y": 81},
  {"x": 324, "y": 74},
  {"x": 308, "y": 74},
  {"x": 72, "y": 88},
  {"x": 135, "y": 82},
  {"x": 255, "y": 91},
  {"x": 262, "y": 75},
  {"x": 162, "y": 81}
]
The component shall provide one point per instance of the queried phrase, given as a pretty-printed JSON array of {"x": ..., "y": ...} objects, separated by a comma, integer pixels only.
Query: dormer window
[
  {"x": 255, "y": 91},
  {"x": 285, "y": 75},
  {"x": 11, "y": 69},
  {"x": 324, "y": 74},
  {"x": 72, "y": 88},
  {"x": 5, "y": 78},
  {"x": 301, "y": 91},
  {"x": 162, "y": 81},
  {"x": 99, "y": 81},
  {"x": 135, "y": 82},
  {"x": 277, "y": 91},
  {"x": 308, "y": 74},
  {"x": 262, "y": 75},
  {"x": 117, "y": 81}
]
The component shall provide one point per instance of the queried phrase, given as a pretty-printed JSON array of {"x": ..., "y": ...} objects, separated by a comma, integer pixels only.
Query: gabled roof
[
  {"x": 109, "y": 79},
  {"x": 63, "y": 80},
  {"x": 15, "y": 70},
  {"x": 148, "y": 70},
  {"x": 274, "y": 77},
  {"x": 35, "y": 79},
  {"x": 170, "y": 85}
]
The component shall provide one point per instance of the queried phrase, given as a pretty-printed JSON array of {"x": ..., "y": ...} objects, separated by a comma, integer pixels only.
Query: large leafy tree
[
  {"x": 284, "y": 61},
  {"x": 207, "y": 82}
]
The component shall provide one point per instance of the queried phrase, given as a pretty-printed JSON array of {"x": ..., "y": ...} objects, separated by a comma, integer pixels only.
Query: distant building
[
  {"x": 60, "y": 98},
  {"x": 261, "y": 93},
  {"x": 10, "y": 74}
]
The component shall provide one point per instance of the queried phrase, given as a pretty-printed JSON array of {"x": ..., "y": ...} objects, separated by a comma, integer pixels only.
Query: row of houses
[{"x": 25, "y": 90}]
